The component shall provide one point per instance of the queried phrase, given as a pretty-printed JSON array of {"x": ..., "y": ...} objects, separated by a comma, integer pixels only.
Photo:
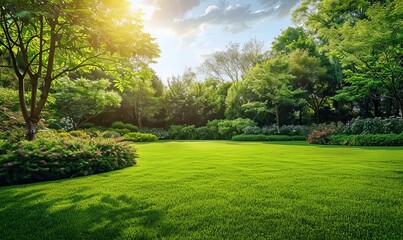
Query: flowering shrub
[
  {"x": 320, "y": 136},
  {"x": 57, "y": 158}
]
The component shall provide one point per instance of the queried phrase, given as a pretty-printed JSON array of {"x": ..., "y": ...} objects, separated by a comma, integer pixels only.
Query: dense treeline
[{"x": 344, "y": 60}]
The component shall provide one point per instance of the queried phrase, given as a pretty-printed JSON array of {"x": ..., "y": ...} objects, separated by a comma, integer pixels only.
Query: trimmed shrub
[
  {"x": 121, "y": 131},
  {"x": 122, "y": 125},
  {"x": 50, "y": 159},
  {"x": 320, "y": 137},
  {"x": 261, "y": 137},
  {"x": 205, "y": 133},
  {"x": 140, "y": 137},
  {"x": 368, "y": 140},
  {"x": 131, "y": 127},
  {"x": 182, "y": 132}
]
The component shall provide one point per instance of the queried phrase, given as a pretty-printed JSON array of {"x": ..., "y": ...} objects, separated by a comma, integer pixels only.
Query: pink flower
[
  {"x": 43, "y": 162},
  {"x": 21, "y": 152},
  {"x": 7, "y": 165}
]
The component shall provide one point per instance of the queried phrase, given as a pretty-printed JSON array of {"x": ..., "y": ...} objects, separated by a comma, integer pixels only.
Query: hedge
[
  {"x": 261, "y": 137},
  {"x": 368, "y": 140}
]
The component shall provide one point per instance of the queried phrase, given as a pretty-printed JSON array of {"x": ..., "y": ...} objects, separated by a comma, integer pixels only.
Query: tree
[
  {"x": 179, "y": 102},
  {"x": 366, "y": 36},
  {"x": 270, "y": 80},
  {"x": 81, "y": 99},
  {"x": 294, "y": 39},
  {"x": 234, "y": 62},
  {"x": 43, "y": 40},
  {"x": 310, "y": 76},
  {"x": 139, "y": 97}
]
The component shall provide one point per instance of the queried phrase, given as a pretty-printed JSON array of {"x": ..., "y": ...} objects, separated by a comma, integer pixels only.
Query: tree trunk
[
  {"x": 278, "y": 119},
  {"x": 31, "y": 131},
  {"x": 317, "y": 116}
]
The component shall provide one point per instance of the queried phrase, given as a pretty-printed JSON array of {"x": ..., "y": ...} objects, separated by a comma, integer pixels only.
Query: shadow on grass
[{"x": 31, "y": 215}]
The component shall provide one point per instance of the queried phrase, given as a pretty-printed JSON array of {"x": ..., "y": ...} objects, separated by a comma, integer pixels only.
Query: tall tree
[
  {"x": 43, "y": 40},
  {"x": 233, "y": 63},
  {"x": 81, "y": 99},
  {"x": 310, "y": 75},
  {"x": 366, "y": 36},
  {"x": 271, "y": 81}
]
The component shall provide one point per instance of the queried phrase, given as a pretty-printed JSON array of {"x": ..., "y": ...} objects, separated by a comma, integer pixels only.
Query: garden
[{"x": 301, "y": 140}]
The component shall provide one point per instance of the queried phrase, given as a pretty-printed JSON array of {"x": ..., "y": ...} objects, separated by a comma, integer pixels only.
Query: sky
[{"x": 187, "y": 31}]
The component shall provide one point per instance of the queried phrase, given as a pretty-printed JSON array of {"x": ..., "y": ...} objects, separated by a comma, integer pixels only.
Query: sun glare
[{"x": 145, "y": 9}]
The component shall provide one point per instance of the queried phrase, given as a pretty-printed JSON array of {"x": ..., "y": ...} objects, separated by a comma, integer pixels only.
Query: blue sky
[{"x": 188, "y": 30}]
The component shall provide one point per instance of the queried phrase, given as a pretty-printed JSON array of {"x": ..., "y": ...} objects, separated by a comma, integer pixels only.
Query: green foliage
[
  {"x": 121, "y": 131},
  {"x": 44, "y": 40},
  {"x": 78, "y": 134},
  {"x": 110, "y": 134},
  {"x": 159, "y": 132},
  {"x": 122, "y": 125},
  {"x": 368, "y": 140},
  {"x": 261, "y": 137},
  {"x": 252, "y": 130},
  {"x": 289, "y": 130},
  {"x": 140, "y": 137},
  {"x": 374, "y": 126},
  {"x": 81, "y": 99},
  {"x": 57, "y": 158},
  {"x": 205, "y": 133},
  {"x": 225, "y": 129},
  {"x": 88, "y": 125},
  {"x": 182, "y": 132}
]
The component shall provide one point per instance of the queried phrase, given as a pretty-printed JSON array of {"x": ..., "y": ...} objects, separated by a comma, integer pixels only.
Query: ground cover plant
[{"x": 220, "y": 190}]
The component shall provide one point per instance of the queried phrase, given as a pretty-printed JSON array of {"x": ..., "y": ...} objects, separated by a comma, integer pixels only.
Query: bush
[
  {"x": 205, "y": 133},
  {"x": 50, "y": 159},
  {"x": 252, "y": 130},
  {"x": 368, "y": 140},
  {"x": 320, "y": 136},
  {"x": 261, "y": 137},
  {"x": 289, "y": 130},
  {"x": 374, "y": 126},
  {"x": 122, "y": 125},
  {"x": 225, "y": 129},
  {"x": 110, "y": 134},
  {"x": 140, "y": 137},
  {"x": 121, "y": 131},
  {"x": 182, "y": 132},
  {"x": 159, "y": 132}
]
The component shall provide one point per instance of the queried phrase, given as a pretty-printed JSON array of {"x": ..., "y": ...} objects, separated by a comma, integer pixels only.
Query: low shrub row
[
  {"x": 57, "y": 158},
  {"x": 216, "y": 129},
  {"x": 367, "y": 140},
  {"x": 261, "y": 137},
  {"x": 140, "y": 137}
]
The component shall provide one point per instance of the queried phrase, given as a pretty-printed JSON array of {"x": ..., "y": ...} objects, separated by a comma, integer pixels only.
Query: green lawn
[{"x": 220, "y": 190}]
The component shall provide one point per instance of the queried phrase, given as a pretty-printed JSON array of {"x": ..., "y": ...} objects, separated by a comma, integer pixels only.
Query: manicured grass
[{"x": 220, "y": 190}]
